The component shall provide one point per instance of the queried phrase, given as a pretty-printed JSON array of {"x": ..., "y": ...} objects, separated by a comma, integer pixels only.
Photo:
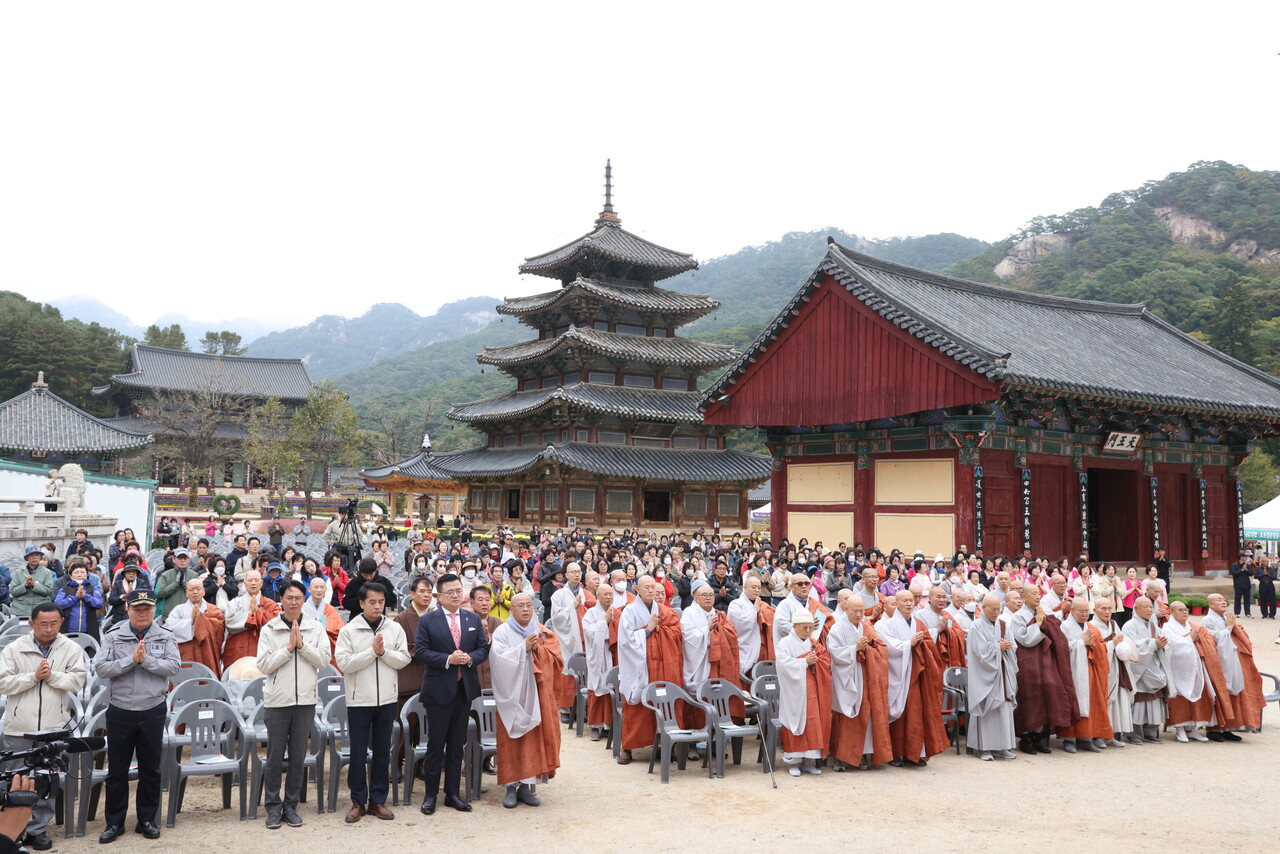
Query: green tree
[
  {"x": 1232, "y": 329},
  {"x": 222, "y": 343},
  {"x": 192, "y": 432},
  {"x": 303, "y": 445},
  {"x": 1261, "y": 479},
  {"x": 169, "y": 337}
]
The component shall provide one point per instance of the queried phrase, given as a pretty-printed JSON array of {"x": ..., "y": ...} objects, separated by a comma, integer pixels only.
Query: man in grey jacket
[{"x": 138, "y": 657}]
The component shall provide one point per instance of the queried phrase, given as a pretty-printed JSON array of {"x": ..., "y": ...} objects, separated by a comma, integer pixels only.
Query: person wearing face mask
[
  {"x": 472, "y": 577},
  {"x": 961, "y": 609},
  {"x": 663, "y": 576}
]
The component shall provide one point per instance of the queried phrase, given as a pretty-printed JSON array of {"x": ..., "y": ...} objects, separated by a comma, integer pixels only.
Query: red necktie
[{"x": 457, "y": 636}]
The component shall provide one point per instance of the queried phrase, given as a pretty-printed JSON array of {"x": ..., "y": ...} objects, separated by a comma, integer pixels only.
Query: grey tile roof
[
  {"x": 1039, "y": 342},
  {"x": 651, "y": 464},
  {"x": 643, "y": 298},
  {"x": 680, "y": 407},
  {"x": 177, "y": 370},
  {"x": 222, "y": 430},
  {"x": 607, "y": 242},
  {"x": 637, "y": 348},
  {"x": 39, "y": 420}
]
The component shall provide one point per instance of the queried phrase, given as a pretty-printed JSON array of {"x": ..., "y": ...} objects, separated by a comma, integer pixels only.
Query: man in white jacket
[
  {"x": 291, "y": 652},
  {"x": 37, "y": 672},
  {"x": 370, "y": 649}
]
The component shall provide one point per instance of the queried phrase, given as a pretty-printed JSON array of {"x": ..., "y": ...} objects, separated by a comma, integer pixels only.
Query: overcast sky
[{"x": 295, "y": 159}]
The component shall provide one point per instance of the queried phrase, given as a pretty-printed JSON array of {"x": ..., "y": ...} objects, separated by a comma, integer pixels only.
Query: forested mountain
[
  {"x": 333, "y": 345},
  {"x": 1200, "y": 247},
  {"x": 74, "y": 356}
]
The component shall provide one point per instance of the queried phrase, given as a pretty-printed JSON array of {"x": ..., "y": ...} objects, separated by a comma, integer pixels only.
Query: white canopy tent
[{"x": 1264, "y": 522}]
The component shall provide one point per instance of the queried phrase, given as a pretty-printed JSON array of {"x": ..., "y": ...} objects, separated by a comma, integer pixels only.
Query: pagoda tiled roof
[
  {"x": 609, "y": 242},
  {"x": 39, "y": 420},
  {"x": 621, "y": 461},
  {"x": 636, "y": 348},
  {"x": 637, "y": 297},
  {"x": 1036, "y": 342},
  {"x": 679, "y": 407}
]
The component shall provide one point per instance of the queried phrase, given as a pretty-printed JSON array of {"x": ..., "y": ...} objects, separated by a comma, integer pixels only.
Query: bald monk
[
  {"x": 804, "y": 695},
  {"x": 710, "y": 648},
  {"x": 1056, "y": 602},
  {"x": 199, "y": 628},
  {"x": 1150, "y": 672},
  {"x": 1090, "y": 672},
  {"x": 1197, "y": 698},
  {"x": 1120, "y": 651},
  {"x": 590, "y": 584},
  {"x": 752, "y": 616},
  {"x": 876, "y": 604},
  {"x": 1244, "y": 683},
  {"x": 600, "y": 630},
  {"x": 526, "y": 665},
  {"x": 1046, "y": 695},
  {"x": 649, "y": 650},
  {"x": 946, "y": 634},
  {"x": 993, "y": 684},
  {"x": 568, "y": 604},
  {"x": 859, "y": 690},
  {"x": 915, "y": 686},
  {"x": 246, "y": 615}
]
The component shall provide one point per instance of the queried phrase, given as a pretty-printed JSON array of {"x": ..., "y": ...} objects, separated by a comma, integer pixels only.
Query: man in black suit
[{"x": 450, "y": 643}]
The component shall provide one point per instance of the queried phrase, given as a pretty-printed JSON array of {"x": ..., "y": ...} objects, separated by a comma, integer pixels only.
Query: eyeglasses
[{"x": 801, "y": 583}]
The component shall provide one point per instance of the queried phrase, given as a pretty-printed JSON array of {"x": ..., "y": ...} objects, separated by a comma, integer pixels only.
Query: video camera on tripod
[{"x": 41, "y": 763}]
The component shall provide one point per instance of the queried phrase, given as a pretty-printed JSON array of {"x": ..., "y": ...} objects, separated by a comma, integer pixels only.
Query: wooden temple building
[
  {"x": 906, "y": 409},
  {"x": 602, "y": 429},
  {"x": 40, "y": 428}
]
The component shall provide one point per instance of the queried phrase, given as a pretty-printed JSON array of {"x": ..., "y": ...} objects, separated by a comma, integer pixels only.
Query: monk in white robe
[
  {"x": 798, "y": 600},
  {"x": 600, "y": 632},
  {"x": 915, "y": 686},
  {"x": 993, "y": 684},
  {"x": 752, "y": 616},
  {"x": 874, "y": 603},
  {"x": 199, "y": 628},
  {"x": 1191, "y": 693},
  {"x": 649, "y": 650},
  {"x": 1120, "y": 651},
  {"x": 1056, "y": 603},
  {"x": 804, "y": 695},
  {"x": 568, "y": 604},
  {"x": 962, "y": 608},
  {"x": 1089, "y": 677},
  {"x": 1243, "y": 682},
  {"x": 1149, "y": 670},
  {"x": 524, "y": 659},
  {"x": 859, "y": 690}
]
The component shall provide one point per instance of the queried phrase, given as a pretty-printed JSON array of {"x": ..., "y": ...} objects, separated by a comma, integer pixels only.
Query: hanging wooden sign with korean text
[
  {"x": 1122, "y": 443},
  {"x": 1155, "y": 512},
  {"x": 1026, "y": 512},
  {"x": 1204, "y": 519},
  {"x": 979, "y": 509},
  {"x": 1084, "y": 512},
  {"x": 1240, "y": 511}
]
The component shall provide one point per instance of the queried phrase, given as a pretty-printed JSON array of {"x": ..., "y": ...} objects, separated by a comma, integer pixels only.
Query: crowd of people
[{"x": 866, "y": 649}]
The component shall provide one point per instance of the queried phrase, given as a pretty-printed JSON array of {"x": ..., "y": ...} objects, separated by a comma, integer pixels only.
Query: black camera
[
  {"x": 352, "y": 504},
  {"x": 41, "y": 763}
]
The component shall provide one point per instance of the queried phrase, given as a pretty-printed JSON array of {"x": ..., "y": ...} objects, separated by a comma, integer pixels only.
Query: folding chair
[
  {"x": 955, "y": 702},
  {"x": 661, "y": 699},
  {"x": 576, "y": 667},
  {"x": 415, "y": 751},
  {"x": 614, "y": 741},
  {"x": 718, "y": 696},
  {"x": 192, "y": 670},
  {"x": 768, "y": 701},
  {"x": 482, "y": 742},
  {"x": 211, "y": 728}
]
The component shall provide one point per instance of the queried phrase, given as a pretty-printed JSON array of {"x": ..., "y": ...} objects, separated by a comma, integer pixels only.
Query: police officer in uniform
[{"x": 138, "y": 656}]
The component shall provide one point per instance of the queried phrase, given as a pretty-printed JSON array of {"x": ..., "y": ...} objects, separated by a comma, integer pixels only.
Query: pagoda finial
[
  {"x": 607, "y": 215},
  {"x": 40, "y": 383}
]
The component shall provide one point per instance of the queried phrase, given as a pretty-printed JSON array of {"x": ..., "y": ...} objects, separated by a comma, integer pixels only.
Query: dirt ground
[{"x": 1169, "y": 797}]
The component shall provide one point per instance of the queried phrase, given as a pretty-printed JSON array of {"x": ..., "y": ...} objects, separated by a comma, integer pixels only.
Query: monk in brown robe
[
  {"x": 1240, "y": 674},
  {"x": 319, "y": 608},
  {"x": 600, "y": 633},
  {"x": 860, "y": 680},
  {"x": 1046, "y": 695},
  {"x": 1193, "y": 664},
  {"x": 804, "y": 695},
  {"x": 526, "y": 663},
  {"x": 199, "y": 628},
  {"x": 1091, "y": 670},
  {"x": 649, "y": 650},
  {"x": 915, "y": 685},
  {"x": 246, "y": 615}
]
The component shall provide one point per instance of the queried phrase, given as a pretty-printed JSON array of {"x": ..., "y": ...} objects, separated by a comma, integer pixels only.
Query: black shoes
[
  {"x": 292, "y": 818},
  {"x": 273, "y": 821},
  {"x": 1231, "y": 736},
  {"x": 457, "y": 803},
  {"x": 111, "y": 834},
  {"x": 38, "y": 842},
  {"x": 1215, "y": 735},
  {"x": 148, "y": 830},
  {"x": 509, "y": 800},
  {"x": 429, "y": 805}
]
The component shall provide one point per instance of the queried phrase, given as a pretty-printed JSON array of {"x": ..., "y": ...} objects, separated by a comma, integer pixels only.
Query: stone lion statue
[{"x": 72, "y": 488}]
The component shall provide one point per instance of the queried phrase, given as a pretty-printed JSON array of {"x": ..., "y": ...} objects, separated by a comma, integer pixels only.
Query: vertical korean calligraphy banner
[
  {"x": 1204, "y": 519},
  {"x": 1026, "y": 512},
  {"x": 1155, "y": 512},
  {"x": 1084, "y": 512},
  {"x": 979, "y": 509}
]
